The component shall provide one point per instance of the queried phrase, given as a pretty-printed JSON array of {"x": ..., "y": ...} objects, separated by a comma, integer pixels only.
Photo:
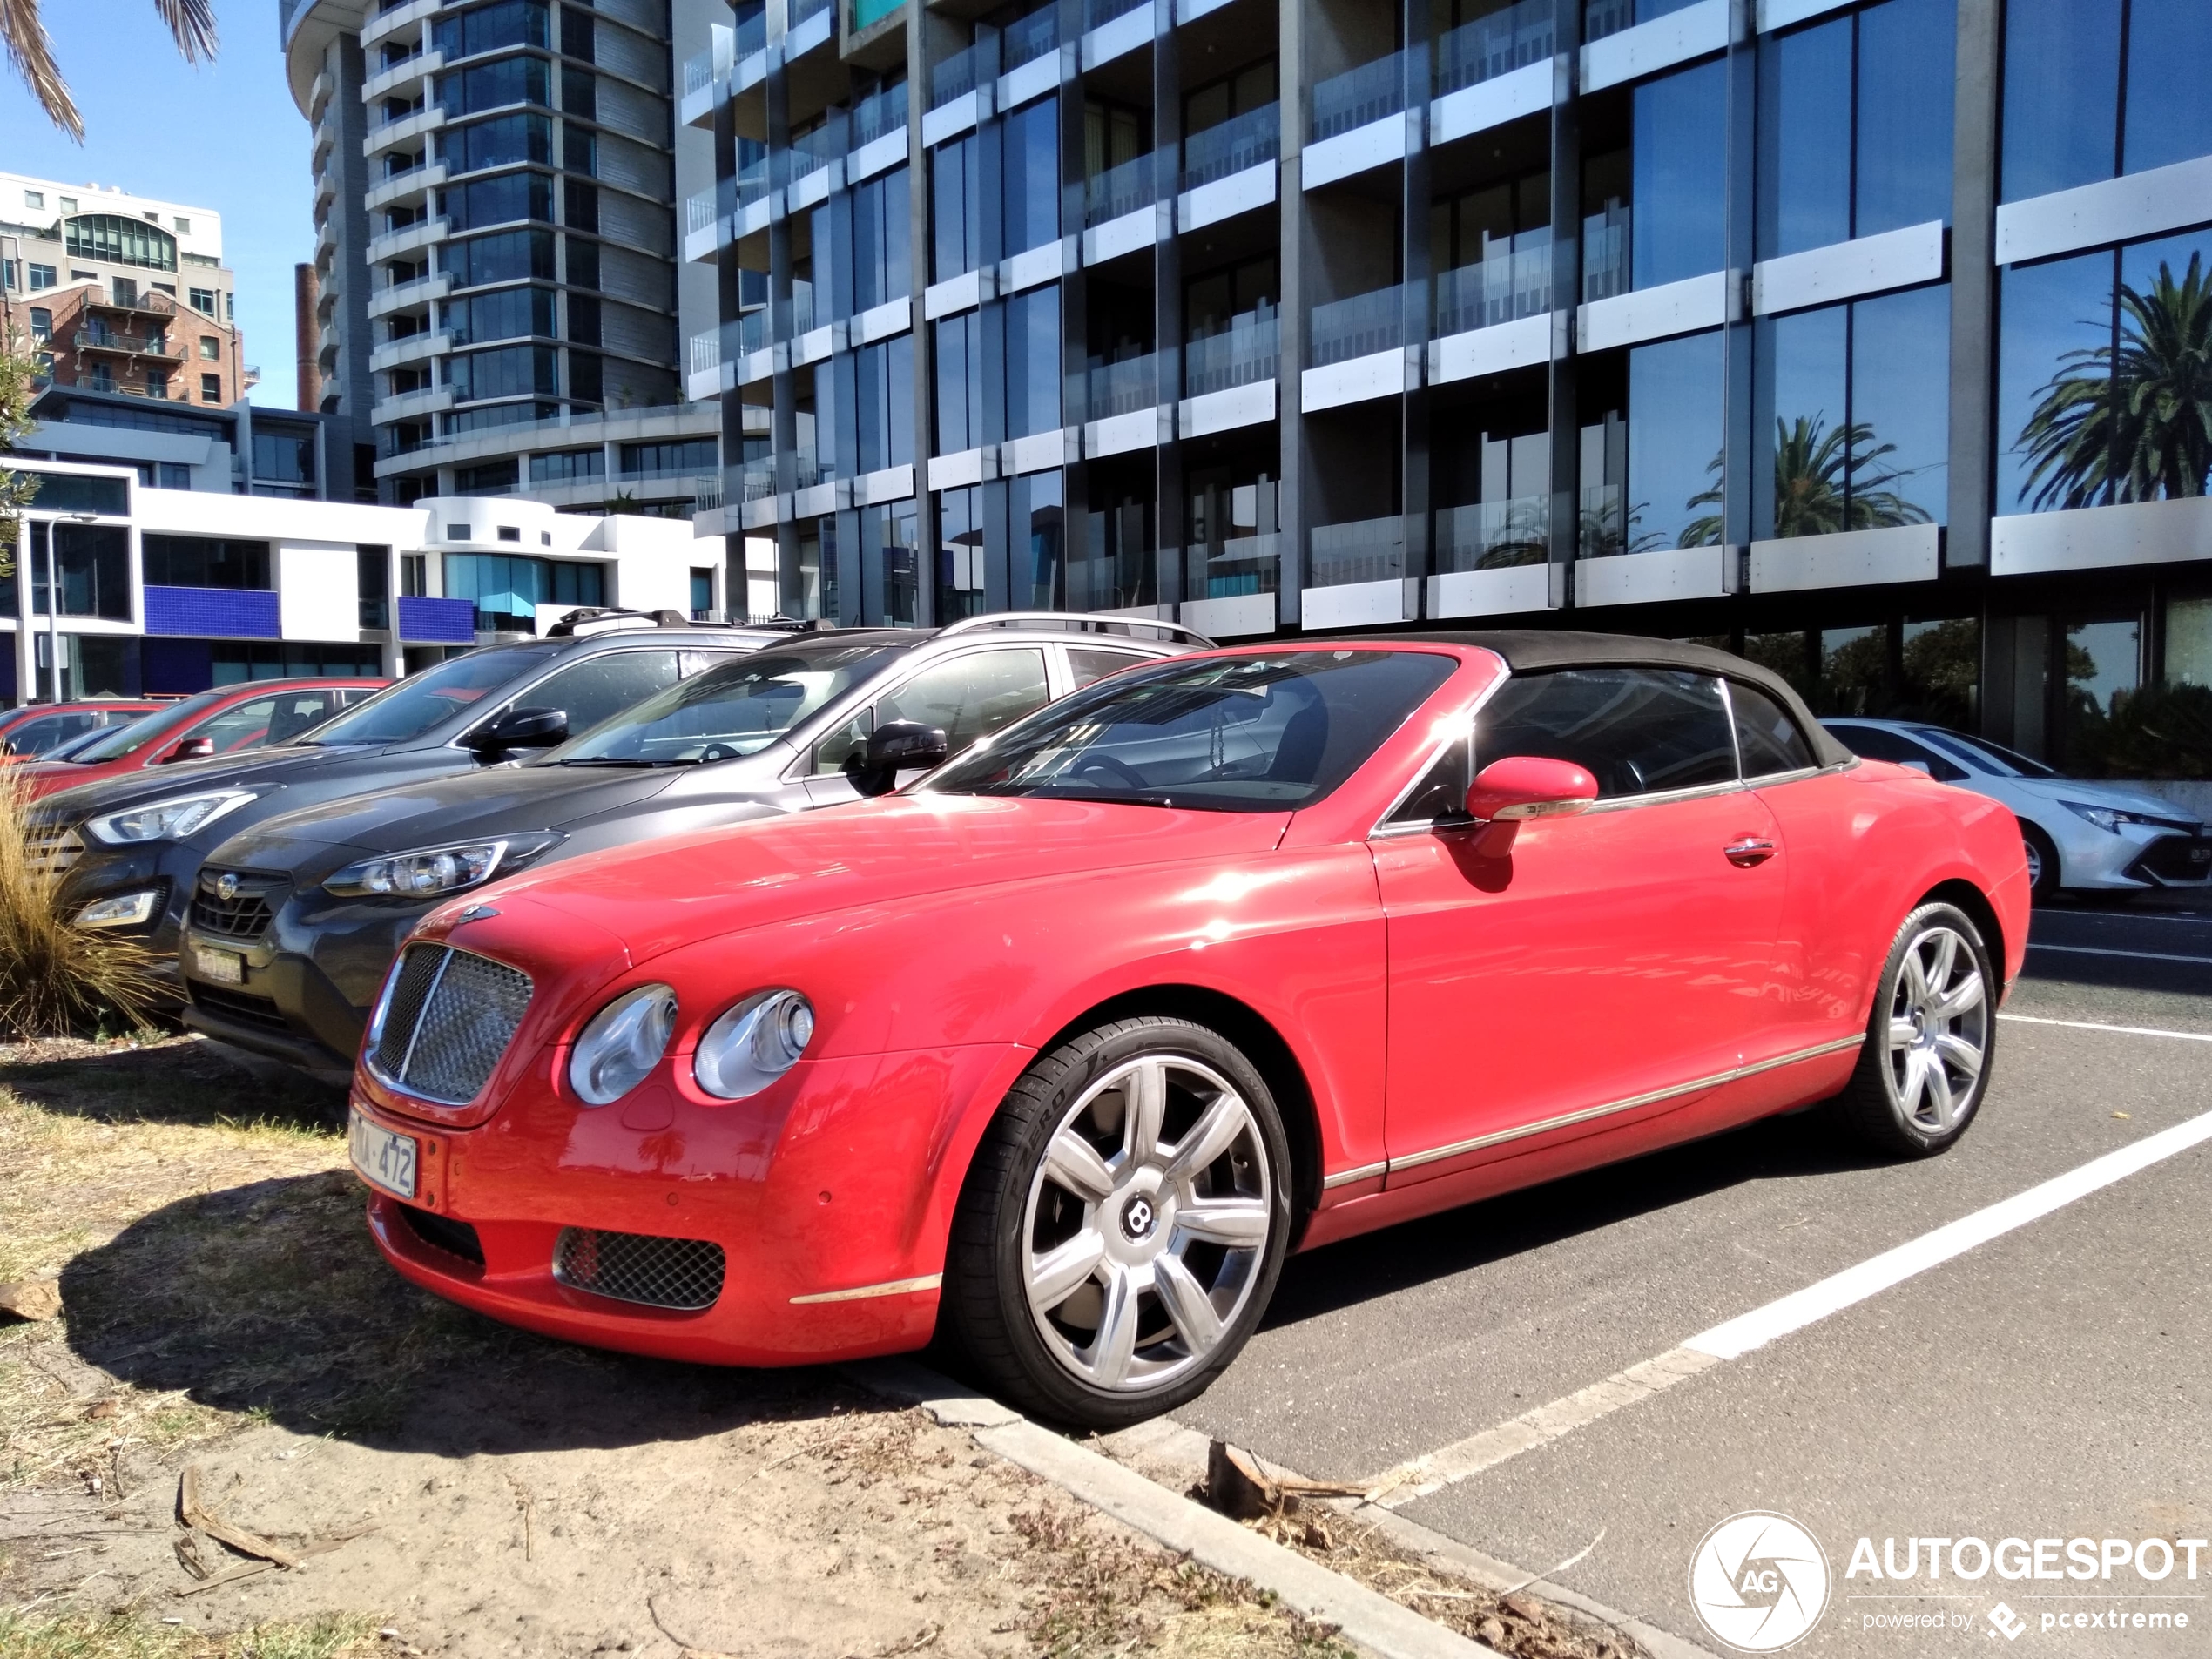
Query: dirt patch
[{"x": 470, "y": 1489}]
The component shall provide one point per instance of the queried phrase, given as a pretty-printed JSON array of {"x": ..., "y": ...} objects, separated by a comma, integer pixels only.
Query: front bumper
[
  {"x": 830, "y": 1194},
  {"x": 2131, "y": 857}
]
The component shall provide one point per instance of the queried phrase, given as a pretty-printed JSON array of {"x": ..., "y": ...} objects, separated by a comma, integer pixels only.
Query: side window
[
  {"x": 242, "y": 725},
  {"x": 601, "y": 687},
  {"x": 36, "y": 737},
  {"x": 1767, "y": 736},
  {"x": 849, "y": 742},
  {"x": 1635, "y": 730},
  {"x": 971, "y": 696},
  {"x": 1441, "y": 797},
  {"x": 1088, "y": 664}
]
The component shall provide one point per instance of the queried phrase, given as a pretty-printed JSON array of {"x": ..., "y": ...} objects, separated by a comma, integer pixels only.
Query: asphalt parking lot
[{"x": 2052, "y": 1381}]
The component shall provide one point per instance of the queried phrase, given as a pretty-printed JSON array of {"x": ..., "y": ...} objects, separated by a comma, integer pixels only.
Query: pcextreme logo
[{"x": 1759, "y": 1582}]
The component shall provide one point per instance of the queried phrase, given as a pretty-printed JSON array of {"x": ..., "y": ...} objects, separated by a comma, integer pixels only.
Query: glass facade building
[{"x": 1867, "y": 338}]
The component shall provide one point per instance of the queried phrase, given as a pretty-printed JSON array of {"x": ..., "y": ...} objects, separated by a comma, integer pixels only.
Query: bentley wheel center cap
[{"x": 1138, "y": 1218}]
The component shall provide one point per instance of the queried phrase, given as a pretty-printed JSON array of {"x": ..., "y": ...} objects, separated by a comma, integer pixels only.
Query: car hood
[
  {"x": 503, "y": 800},
  {"x": 2091, "y": 792},
  {"x": 662, "y": 895},
  {"x": 275, "y": 766}
]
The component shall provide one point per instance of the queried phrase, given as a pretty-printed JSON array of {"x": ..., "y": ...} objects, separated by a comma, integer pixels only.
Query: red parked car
[
  {"x": 1242, "y": 952},
  {"x": 30, "y": 731},
  {"x": 252, "y": 714}
]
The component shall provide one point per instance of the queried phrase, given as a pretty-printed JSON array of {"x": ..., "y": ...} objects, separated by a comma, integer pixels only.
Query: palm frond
[
  {"x": 32, "y": 53},
  {"x": 192, "y": 23}
]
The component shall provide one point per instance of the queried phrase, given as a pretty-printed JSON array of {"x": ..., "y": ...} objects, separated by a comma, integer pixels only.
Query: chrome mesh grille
[
  {"x": 637, "y": 1267},
  {"x": 451, "y": 1017},
  {"x": 53, "y": 849}
]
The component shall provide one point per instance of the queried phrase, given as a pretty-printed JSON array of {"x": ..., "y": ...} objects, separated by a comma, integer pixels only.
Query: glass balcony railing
[
  {"x": 758, "y": 479},
  {"x": 957, "y": 75},
  {"x": 701, "y": 69},
  {"x": 803, "y": 10},
  {"x": 1243, "y": 141},
  {"x": 1109, "y": 390},
  {"x": 706, "y": 350},
  {"x": 752, "y": 182},
  {"x": 812, "y": 152},
  {"x": 703, "y": 207},
  {"x": 1367, "y": 93},
  {"x": 1493, "y": 535},
  {"x": 1247, "y": 564},
  {"x": 1603, "y": 17},
  {"x": 1494, "y": 45},
  {"x": 802, "y": 307},
  {"x": 1119, "y": 190},
  {"x": 810, "y": 468},
  {"x": 751, "y": 332},
  {"x": 1368, "y": 550},
  {"x": 706, "y": 495},
  {"x": 753, "y": 33},
  {"x": 1241, "y": 355},
  {"x": 1605, "y": 254},
  {"x": 879, "y": 113},
  {"x": 1098, "y": 12},
  {"x": 1029, "y": 39},
  {"x": 1510, "y": 281},
  {"x": 1357, "y": 327}
]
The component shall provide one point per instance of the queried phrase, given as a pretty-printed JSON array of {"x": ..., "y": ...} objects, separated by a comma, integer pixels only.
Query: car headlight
[
  {"x": 167, "y": 820},
  {"x": 429, "y": 872},
  {"x": 124, "y": 910},
  {"x": 624, "y": 1041},
  {"x": 753, "y": 1043},
  {"x": 2111, "y": 818}
]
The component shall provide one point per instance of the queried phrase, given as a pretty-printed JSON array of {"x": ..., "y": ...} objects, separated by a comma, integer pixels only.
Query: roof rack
[
  {"x": 599, "y": 619},
  {"x": 1078, "y": 622}
]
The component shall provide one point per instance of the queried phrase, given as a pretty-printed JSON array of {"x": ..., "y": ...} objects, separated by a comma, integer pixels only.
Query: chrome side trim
[
  {"x": 1365, "y": 1172},
  {"x": 1565, "y": 1120},
  {"x": 890, "y": 1287}
]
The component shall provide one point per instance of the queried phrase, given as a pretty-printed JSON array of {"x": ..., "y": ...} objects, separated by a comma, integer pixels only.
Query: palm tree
[
  {"x": 191, "y": 22},
  {"x": 1825, "y": 481},
  {"x": 2137, "y": 423}
]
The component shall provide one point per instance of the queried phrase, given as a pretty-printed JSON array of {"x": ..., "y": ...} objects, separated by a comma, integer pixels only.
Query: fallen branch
[
  {"x": 244, "y": 1569},
  {"x": 192, "y": 1513}
]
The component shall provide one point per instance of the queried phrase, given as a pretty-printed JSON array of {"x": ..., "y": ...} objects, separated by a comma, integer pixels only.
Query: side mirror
[
  {"x": 893, "y": 747},
  {"x": 1521, "y": 787},
  {"x": 521, "y": 729},
  {"x": 191, "y": 749},
  {"x": 1920, "y": 767}
]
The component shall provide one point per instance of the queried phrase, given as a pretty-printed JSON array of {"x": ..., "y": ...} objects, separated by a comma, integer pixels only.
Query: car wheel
[
  {"x": 2042, "y": 863},
  {"x": 1123, "y": 1226},
  {"x": 1930, "y": 1039}
]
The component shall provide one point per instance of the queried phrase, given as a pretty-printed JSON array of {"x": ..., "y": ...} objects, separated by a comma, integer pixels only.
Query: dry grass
[
  {"x": 56, "y": 979},
  {"x": 120, "y": 1636}
]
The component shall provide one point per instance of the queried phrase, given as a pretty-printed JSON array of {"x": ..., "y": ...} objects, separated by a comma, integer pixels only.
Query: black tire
[
  {"x": 1882, "y": 1105},
  {"x": 1034, "y": 1359},
  {"x": 2042, "y": 863}
]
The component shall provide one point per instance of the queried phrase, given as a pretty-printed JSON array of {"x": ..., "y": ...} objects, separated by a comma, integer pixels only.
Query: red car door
[{"x": 1608, "y": 964}]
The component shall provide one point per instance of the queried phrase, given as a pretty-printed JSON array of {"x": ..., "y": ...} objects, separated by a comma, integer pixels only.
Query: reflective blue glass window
[
  {"x": 1036, "y": 503},
  {"x": 2062, "y": 94},
  {"x": 1032, "y": 362},
  {"x": 1673, "y": 438},
  {"x": 954, "y": 182},
  {"x": 958, "y": 342},
  {"x": 960, "y": 587},
  {"x": 1805, "y": 172},
  {"x": 1031, "y": 171},
  {"x": 1900, "y": 387},
  {"x": 1800, "y": 419},
  {"x": 1906, "y": 52},
  {"x": 2053, "y": 318},
  {"x": 883, "y": 266},
  {"x": 1679, "y": 194},
  {"x": 2170, "y": 117},
  {"x": 886, "y": 404}
]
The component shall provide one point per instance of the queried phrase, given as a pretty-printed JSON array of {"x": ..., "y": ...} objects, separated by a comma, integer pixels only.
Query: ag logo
[{"x": 1758, "y": 1581}]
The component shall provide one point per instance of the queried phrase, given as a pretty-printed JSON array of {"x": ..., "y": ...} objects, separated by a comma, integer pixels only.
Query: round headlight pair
[{"x": 748, "y": 1047}]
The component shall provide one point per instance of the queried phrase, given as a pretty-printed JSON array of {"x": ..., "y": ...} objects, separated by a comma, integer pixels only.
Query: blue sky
[{"x": 224, "y": 136}]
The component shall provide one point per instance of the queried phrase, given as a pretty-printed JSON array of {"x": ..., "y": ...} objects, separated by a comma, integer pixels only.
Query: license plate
[
  {"x": 224, "y": 966},
  {"x": 385, "y": 1158}
]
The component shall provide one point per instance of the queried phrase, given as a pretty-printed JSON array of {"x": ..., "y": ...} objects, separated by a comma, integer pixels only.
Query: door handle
[{"x": 1748, "y": 851}]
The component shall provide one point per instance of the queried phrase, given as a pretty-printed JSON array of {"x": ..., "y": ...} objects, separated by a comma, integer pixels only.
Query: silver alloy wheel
[
  {"x": 1939, "y": 1032},
  {"x": 1140, "y": 1251},
  {"x": 2035, "y": 863}
]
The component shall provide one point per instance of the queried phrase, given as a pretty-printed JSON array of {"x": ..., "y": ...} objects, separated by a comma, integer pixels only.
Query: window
[
  {"x": 955, "y": 180},
  {"x": 674, "y": 459},
  {"x": 184, "y": 227},
  {"x": 203, "y": 299},
  {"x": 1855, "y": 120},
  {"x": 507, "y": 589},
  {"x": 68, "y": 204},
  {"x": 1674, "y": 444},
  {"x": 509, "y": 314},
  {"x": 2097, "y": 88},
  {"x": 34, "y": 199},
  {"x": 740, "y": 707},
  {"x": 415, "y": 575},
  {"x": 92, "y": 563},
  {"x": 282, "y": 457},
  {"x": 1265, "y": 733},
  {"x": 42, "y": 276},
  {"x": 47, "y": 731},
  {"x": 1031, "y": 170},
  {"x": 510, "y": 532},
  {"x": 487, "y": 87},
  {"x": 702, "y": 593},
  {"x": 487, "y": 478},
  {"x": 1037, "y": 510},
  {"x": 117, "y": 240},
  {"x": 510, "y": 256},
  {"x": 211, "y": 388},
  {"x": 601, "y": 687},
  {"x": 1636, "y": 729},
  {"x": 1850, "y": 415},
  {"x": 267, "y": 721},
  {"x": 1033, "y": 362},
  {"x": 508, "y": 371},
  {"x": 968, "y": 698},
  {"x": 1089, "y": 665},
  {"x": 2079, "y": 425},
  {"x": 513, "y": 22},
  {"x": 1767, "y": 737},
  {"x": 497, "y": 200},
  {"x": 373, "y": 582},
  {"x": 174, "y": 474},
  {"x": 501, "y": 142},
  {"x": 211, "y": 349},
  {"x": 199, "y": 562},
  {"x": 569, "y": 467},
  {"x": 887, "y": 403},
  {"x": 42, "y": 322},
  {"x": 961, "y": 585},
  {"x": 157, "y": 383},
  {"x": 960, "y": 382},
  {"x": 1679, "y": 188},
  {"x": 890, "y": 565},
  {"x": 1879, "y": 742},
  {"x": 883, "y": 250}
]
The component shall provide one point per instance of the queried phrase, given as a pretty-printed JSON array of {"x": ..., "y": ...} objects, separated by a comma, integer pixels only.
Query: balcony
[
  {"x": 411, "y": 405},
  {"x": 1247, "y": 141},
  {"x": 757, "y": 480},
  {"x": 1496, "y": 45},
  {"x": 150, "y": 305},
  {"x": 957, "y": 76},
  {"x": 416, "y": 66},
  {"x": 878, "y": 116},
  {"x": 403, "y": 296},
  {"x": 1368, "y": 550},
  {"x": 408, "y": 348},
  {"x": 1029, "y": 39},
  {"x": 1242, "y": 355},
  {"x": 394, "y": 244},
  {"x": 1358, "y": 98},
  {"x": 1119, "y": 191},
  {"x": 1513, "y": 279},
  {"x": 1606, "y": 271},
  {"x": 407, "y": 183},
  {"x": 1494, "y": 534},
  {"x": 102, "y": 340},
  {"x": 1361, "y": 326}
]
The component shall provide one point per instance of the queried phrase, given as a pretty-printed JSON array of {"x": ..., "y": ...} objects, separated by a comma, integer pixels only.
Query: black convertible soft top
[{"x": 1529, "y": 650}]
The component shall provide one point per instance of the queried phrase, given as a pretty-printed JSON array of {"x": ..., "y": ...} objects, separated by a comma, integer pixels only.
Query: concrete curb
[{"x": 1367, "y": 1618}]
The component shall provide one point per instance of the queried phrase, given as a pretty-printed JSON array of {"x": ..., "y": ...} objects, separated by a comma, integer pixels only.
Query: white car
[{"x": 2080, "y": 833}]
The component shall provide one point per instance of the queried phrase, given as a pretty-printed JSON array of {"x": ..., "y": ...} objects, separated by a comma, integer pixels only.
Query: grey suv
[{"x": 297, "y": 919}]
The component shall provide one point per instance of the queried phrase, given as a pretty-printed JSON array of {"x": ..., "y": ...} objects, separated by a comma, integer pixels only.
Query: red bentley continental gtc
[{"x": 1065, "y": 1048}]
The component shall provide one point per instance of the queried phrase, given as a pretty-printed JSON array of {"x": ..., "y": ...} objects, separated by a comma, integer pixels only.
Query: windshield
[
  {"x": 1227, "y": 734},
  {"x": 1984, "y": 756},
  {"x": 422, "y": 702},
  {"x": 122, "y": 741},
  {"x": 738, "y": 709}
]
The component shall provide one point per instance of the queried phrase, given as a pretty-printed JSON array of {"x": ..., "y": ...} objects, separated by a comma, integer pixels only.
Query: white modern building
[{"x": 173, "y": 591}]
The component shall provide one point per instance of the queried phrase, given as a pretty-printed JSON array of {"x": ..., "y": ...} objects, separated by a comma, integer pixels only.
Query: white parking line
[
  {"x": 2100, "y": 950},
  {"x": 1739, "y": 1336},
  {"x": 2124, "y": 1030}
]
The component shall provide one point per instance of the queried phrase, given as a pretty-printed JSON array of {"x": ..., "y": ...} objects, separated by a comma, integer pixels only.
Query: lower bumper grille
[
  {"x": 683, "y": 1273},
  {"x": 241, "y": 1006},
  {"x": 2176, "y": 858},
  {"x": 442, "y": 1233},
  {"x": 244, "y": 912}
]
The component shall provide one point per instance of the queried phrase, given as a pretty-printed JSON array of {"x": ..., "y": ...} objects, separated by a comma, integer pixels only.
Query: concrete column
[
  {"x": 1973, "y": 308},
  {"x": 1290, "y": 501},
  {"x": 1563, "y": 420}
]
